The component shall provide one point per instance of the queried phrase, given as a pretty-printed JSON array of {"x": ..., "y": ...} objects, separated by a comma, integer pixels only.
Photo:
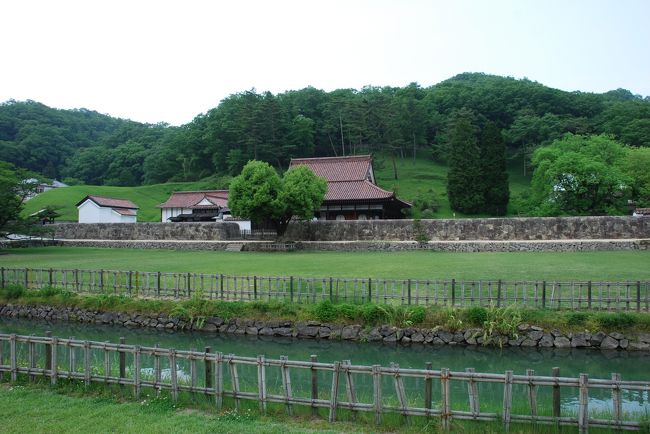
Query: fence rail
[
  {"x": 409, "y": 392},
  {"x": 622, "y": 295}
]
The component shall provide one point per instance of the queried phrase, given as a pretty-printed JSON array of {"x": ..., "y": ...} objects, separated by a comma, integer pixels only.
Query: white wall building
[{"x": 98, "y": 209}]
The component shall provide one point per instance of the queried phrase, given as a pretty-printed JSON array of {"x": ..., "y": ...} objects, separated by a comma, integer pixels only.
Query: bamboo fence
[
  {"x": 622, "y": 295},
  {"x": 332, "y": 385}
]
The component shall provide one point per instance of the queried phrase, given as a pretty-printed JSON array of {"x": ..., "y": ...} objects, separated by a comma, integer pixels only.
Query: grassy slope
[
  {"x": 420, "y": 176},
  {"x": 413, "y": 179},
  {"x": 146, "y": 197},
  {"x": 621, "y": 265}
]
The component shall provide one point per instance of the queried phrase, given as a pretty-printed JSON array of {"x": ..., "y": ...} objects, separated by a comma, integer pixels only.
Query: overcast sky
[{"x": 168, "y": 61}]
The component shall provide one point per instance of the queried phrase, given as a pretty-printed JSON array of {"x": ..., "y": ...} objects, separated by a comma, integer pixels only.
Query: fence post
[
  {"x": 616, "y": 399},
  {"x": 445, "y": 404},
  {"x": 130, "y": 282},
  {"x": 335, "y": 391},
  {"x": 122, "y": 357},
  {"x": 2, "y": 277},
  {"x": 208, "y": 370},
  {"x": 218, "y": 381},
  {"x": 13, "y": 358},
  {"x": 291, "y": 288},
  {"x": 261, "y": 382},
  {"x": 638, "y": 295},
  {"x": 48, "y": 352},
  {"x": 507, "y": 400},
  {"x": 221, "y": 286},
  {"x": 254, "y": 287},
  {"x": 589, "y": 294},
  {"x": 26, "y": 278},
  {"x": 369, "y": 289},
  {"x": 376, "y": 387},
  {"x": 556, "y": 393},
  {"x": 50, "y": 272},
  {"x": 428, "y": 389},
  {"x": 543, "y": 294},
  {"x": 101, "y": 280},
  {"x": 189, "y": 285},
  {"x": 453, "y": 292},
  {"x": 314, "y": 385},
  {"x": 331, "y": 293},
  {"x": 408, "y": 288},
  {"x": 583, "y": 409},
  {"x": 499, "y": 293},
  {"x": 136, "y": 372}
]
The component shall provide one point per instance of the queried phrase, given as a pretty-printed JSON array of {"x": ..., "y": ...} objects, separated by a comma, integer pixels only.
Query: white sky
[{"x": 168, "y": 61}]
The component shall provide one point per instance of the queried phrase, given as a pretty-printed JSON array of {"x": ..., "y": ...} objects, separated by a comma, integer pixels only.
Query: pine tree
[
  {"x": 493, "y": 172},
  {"x": 464, "y": 183}
]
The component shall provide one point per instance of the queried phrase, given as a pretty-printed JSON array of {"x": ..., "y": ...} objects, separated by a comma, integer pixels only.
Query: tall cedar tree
[
  {"x": 494, "y": 177},
  {"x": 464, "y": 182}
]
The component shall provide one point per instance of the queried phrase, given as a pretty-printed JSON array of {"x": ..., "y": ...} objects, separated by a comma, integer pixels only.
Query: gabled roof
[
  {"x": 124, "y": 211},
  {"x": 334, "y": 169},
  {"x": 354, "y": 190},
  {"x": 197, "y": 199},
  {"x": 109, "y": 202}
]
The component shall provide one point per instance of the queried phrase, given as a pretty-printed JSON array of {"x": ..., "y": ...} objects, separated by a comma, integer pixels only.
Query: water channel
[{"x": 572, "y": 362}]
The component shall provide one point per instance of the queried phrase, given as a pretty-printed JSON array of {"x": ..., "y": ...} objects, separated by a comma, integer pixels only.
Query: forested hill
[{"x": 98, "y": 149}]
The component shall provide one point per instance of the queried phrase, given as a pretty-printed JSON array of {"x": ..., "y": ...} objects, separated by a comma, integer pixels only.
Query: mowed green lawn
[{"x": 612, "y": 266}]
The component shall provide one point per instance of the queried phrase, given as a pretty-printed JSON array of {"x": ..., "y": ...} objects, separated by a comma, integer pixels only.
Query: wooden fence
[
  {"x": 332, "y": 386},
  {"x": 627, "y": 295}
]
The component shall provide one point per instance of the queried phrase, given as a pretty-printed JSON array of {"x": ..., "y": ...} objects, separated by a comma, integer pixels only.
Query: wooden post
[
  {"x": 189, "y": 285},
  {"x": 507, "y": 400},
  {"x": 314, "y": 383},
  {"x": 499, "y": 293},
  {"x": 54, "y": 371},
  {"x": 254, "y": 287},
  {"x": 428, "y": 389},
  {"x": 2, "y": 277},
  {"x": 408, "y": 287},
  {"x": 218, "y": 381},
  {"x": 26, "y": 278},
  {"x": 234, "y": 377},
  {"x": 331, "y": 290},
  {"x": 638, "y": 296},
  {"x": 616, "y": 399},
  {"x": 157, "y": 374},
  {"x": 192, "y": 361},
  {"x": 376, "y": 388},
  {"x": 400, "y": 392},
  {"x": 472, "y": 392},
  {"x": 445, "y": 404},
  {"x": 13, "y": 357},
  {"x": 221, "y": 286},
  {"x": 334, "y": 395},
  {"x": 173, "y": 374},
  {"x": 50, "y": 280},
  {"x": 48, "y": 353},
  {"x": 208, "y": 370},
  {"x": 87, "y": 365},
  {"x": 136, "y": 373},
  {"x": 32, "y": 360},
  {"x": 101, "y": 280},
  {"x": 122, "y": 362},
  {"x": 107, "y": 364},
  {"x": 158, "y": 284},
  {"x": 556, "y": 393},
  {"x": 286, "y": 384},
  {"x": 543, "y": 294},
  {"x": 72, "y": 359},
  {"x": 532, "y": 393},
  {"x": 589, "y": 294},
  {"x": 583, "y": 406},
  {"x": 291, "y": 288},
  {"x": 349, "y": 388},
  {"x": 453, "y": 292},
  {"x": 261, "y": 382},
  {"x": 369, "y": 289}
]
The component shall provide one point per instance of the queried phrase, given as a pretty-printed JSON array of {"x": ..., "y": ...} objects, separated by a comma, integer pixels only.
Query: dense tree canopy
[
  {"x": 260, "y": 194},
  {"x": 15, "y": 186}
]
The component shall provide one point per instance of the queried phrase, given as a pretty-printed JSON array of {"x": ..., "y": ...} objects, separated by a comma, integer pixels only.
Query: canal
[{"x": 572, "y": 362}]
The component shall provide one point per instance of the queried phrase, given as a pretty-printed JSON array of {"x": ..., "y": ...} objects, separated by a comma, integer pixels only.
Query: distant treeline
[{"x": 89, "y": 147}]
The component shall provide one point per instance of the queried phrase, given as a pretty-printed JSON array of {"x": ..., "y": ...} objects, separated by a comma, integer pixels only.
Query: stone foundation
[{"x": 528, "y": 335}]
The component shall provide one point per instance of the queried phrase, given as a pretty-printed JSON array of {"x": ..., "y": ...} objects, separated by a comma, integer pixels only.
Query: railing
[
  {"x": 622, "y": 295},
  {"x": 257, "y": 234},
  {"x": 355, "y": 388}
]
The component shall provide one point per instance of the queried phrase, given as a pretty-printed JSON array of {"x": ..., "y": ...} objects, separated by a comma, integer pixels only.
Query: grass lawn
[{"x": 596, "y": 266}]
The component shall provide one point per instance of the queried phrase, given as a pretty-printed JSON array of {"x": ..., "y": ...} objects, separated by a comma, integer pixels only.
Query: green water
[{"x": 572, "y": 362}]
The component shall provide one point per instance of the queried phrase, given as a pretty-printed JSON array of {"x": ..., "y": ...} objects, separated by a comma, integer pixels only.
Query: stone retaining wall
[
  {"x": 146, "y": 231},
  {"x": 493, "y": 229},
  {"x": 528, "y": 336}
]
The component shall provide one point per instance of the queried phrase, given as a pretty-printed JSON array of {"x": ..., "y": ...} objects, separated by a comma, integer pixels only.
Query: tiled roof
[
  {"x": 124, "y": 211},
  {"x": 354, "y": 168},
  {"x": 191, "y": 199},
  {"x": 355, "y": 190},
  {"x": 109, "y": 202}
]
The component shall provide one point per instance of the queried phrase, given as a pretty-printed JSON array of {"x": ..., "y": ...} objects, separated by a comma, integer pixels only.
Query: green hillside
[
  {"x": 146, "y": 197},
  {"x": 414, "y": 178}
]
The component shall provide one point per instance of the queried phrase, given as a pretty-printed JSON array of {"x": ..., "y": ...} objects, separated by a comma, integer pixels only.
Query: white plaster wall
[{"x": 90, "y": 212}]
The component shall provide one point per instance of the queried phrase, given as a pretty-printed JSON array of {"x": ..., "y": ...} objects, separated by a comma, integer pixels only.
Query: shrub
[
  {"x": 417, "y": 314},
  {"x": 373, "y": 314},
  {"x": 49, "y": 291},
  {"x": 577, "y": 318},
  {"x": 476, "y": 315},
  {"x": 347, "y": 311},
  {"x": 325, "y": 311},
  {"x": 501, "y": 321},
  {"x": 12, "y": 292},
  {"x": 615, "y": 321}
]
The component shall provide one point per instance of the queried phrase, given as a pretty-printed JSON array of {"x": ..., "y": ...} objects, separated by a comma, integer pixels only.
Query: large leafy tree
[
  {"x": 260, "y": 194},
  {"x": 580, "y": 175}
]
